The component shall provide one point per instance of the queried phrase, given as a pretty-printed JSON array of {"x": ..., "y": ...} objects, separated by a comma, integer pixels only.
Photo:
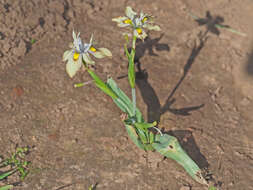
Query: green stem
[
  {"x": 134, "y": 100},
  {"x": 134, "y": 42},
  {"x": 132, "y": 62}
]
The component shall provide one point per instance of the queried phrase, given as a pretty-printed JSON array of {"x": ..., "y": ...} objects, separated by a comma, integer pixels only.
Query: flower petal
[
  {"x": 67, "y": 55},
  {"x": 74, "y": 35},
  {"x": 130, "y": 13},
  {"x": 98, "y": 54},
  {"x": 105, "y": 51},
  {"x": 119, "y": 19},
  {"x": 152, "y": 27},
  {"x": 141, "y": 35},
  {"x": 87, "y": 59},
  {"x": 101, "y": 53},
  {"x": 91, "y": 38},
  {"x": 121, "y": 24},
  {"x": 73, "y": 66}
]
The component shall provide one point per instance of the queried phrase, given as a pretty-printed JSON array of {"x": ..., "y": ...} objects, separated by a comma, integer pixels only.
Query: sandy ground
[{"x": 197, "y": 84}]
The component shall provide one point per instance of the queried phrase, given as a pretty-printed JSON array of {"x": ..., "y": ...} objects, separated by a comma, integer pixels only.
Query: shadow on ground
[
  {"x": 249, "y": 66},
  {"x": 156, "y": 110},
  {"x": 212, "y": 23}
]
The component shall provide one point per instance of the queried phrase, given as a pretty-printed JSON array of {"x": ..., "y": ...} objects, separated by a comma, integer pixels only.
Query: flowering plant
[{"x": 136, "y": 127}]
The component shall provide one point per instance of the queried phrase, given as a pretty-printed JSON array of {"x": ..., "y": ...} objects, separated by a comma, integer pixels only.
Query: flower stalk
[{"x": 131, "y": 73}]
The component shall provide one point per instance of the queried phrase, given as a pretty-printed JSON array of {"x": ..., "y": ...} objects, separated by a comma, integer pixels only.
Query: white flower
[
  {"x": 79, "y": 54},
  {"x": 137, "y": 22}
]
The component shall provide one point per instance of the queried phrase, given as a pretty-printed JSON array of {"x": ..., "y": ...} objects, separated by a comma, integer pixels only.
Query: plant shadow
[
  {"x": 148, "y": 45},
  {"x": 155, "y": 110},
  {"x": 212, "y": 23},
  {"x": 249, "y": 67}
]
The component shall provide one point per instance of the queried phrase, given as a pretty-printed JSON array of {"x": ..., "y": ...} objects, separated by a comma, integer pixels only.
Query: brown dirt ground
[{"x": 198, "y": 86}]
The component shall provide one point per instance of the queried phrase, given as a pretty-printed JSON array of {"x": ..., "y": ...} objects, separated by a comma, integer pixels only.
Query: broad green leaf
[
  {"x": 6, "y": 187},
  {"x": 100, "y": 84},
  {"x": 169, "y": 146}
]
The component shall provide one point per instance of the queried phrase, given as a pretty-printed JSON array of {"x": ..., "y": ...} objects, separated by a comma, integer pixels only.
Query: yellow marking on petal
[
  {"x": 76, "y": 56},
  {"x": 144, "y": 19},
  {"x": 139, "y": 30},
  {"x": 128, "y": 21},
  {"x": 93, "y": 49}
]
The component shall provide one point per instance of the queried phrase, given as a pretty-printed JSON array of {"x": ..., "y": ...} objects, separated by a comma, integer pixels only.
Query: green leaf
[
  {"x": 212, "y": 188},
  {"x": 145, "y": 126},
  {"x": 126, "y": 51},
  {"x": 122, "y": 105},
  {"x": 139, "y": 137},
  {"x": 151, "y": 137},
  {"x": 134, "y": 136},
  {"x": 6, "y": 174},
  {"x": 169, "y": 146},
  {"x": 126, "y": 38},
  {"x": 33, "y": 41},
  {"x": 100, "y": 84},
  {"x": 127, "y": 103},
  {"x": 6, "y": 187}
]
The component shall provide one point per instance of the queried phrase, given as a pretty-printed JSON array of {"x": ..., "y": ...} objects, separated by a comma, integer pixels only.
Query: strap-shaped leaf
[
  {"x": 124, "y": 100},
  {"x": 169, "y": 146},
  {"x": 100, "y": 84},
  {"x": 6, "y": 174},
  {"x": 134, "y": 136}
]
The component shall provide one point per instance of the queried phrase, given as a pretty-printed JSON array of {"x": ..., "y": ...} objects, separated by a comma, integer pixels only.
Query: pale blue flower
[
  {"x": 80, "y": 53},
  {"x": 137, "y": 22}
]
